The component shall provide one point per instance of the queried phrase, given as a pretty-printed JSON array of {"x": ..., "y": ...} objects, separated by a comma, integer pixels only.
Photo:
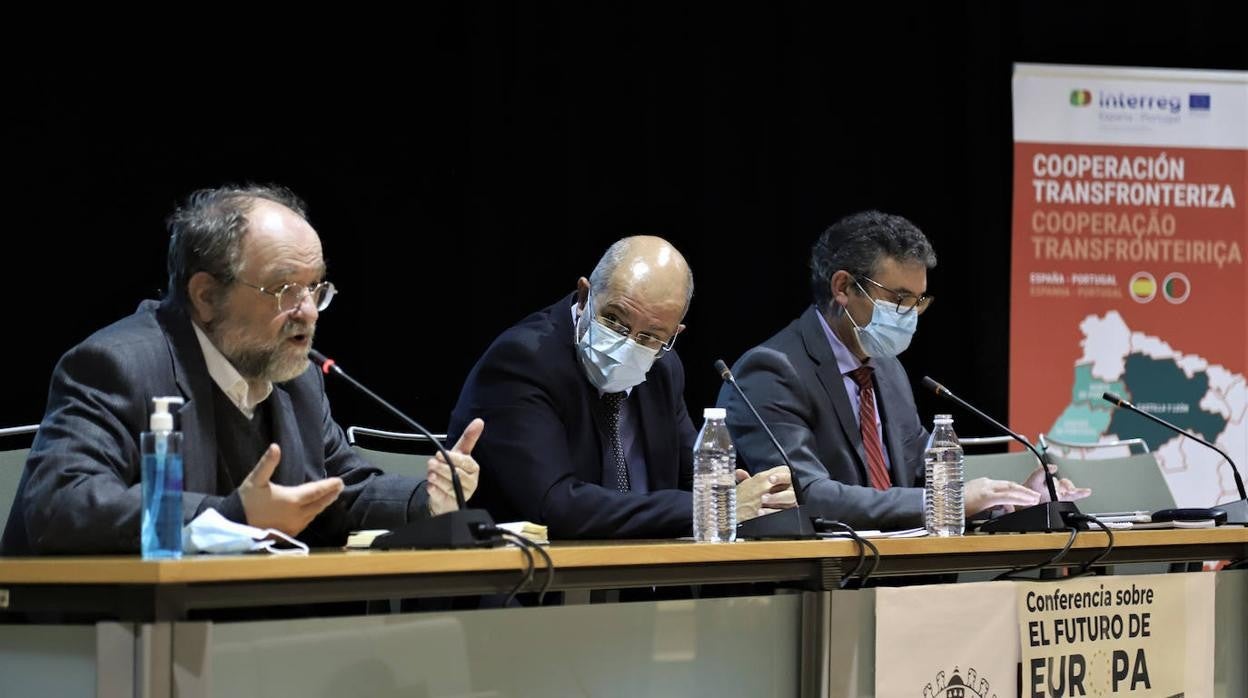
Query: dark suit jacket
[
  {"x": 81, "y": 490},
  {"x": 541, "y": 451},
  {"x": 794, "y": 382}
]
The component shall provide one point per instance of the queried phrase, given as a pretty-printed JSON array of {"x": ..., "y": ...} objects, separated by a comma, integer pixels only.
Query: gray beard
[{"x": 275, "y": 363}]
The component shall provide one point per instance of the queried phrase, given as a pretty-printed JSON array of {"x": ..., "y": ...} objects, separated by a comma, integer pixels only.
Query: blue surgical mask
[
  {"x": 612, "y": 361},
  {"x": 889, "y": 332}
]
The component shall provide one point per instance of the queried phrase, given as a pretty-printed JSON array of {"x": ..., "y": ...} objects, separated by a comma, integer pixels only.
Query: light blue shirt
[{"x": 846, "y": 362}]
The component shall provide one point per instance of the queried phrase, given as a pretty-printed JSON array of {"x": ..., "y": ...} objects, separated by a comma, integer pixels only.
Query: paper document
[
  {"x": 1120, "y": 516},
  {"x": 1138, "y": 525},
  {"x": 363, "y": 539},
  {"x": 903, "y": 533},
  {"x": 534, "y": 532}
]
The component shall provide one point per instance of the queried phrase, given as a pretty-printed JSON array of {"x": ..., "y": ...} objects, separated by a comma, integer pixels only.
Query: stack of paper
[
  {"x": 363, "y": 539},
  {"x": 534, "y": 532},
  {"x": 528, "y": 529}
]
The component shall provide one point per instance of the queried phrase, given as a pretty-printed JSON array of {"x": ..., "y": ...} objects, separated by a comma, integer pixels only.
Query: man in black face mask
[
  {"x": 589, "y": 433},
  {"x": 831, "y": 388}
]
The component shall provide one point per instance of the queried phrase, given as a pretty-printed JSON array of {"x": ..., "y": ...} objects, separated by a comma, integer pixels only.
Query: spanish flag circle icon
[{"x": 1143, "y": 287}]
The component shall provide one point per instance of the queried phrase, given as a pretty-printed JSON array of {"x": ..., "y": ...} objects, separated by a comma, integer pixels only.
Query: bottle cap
[
  {"x": 714, "y": 413},
  {"x": 161, "y": 419}
]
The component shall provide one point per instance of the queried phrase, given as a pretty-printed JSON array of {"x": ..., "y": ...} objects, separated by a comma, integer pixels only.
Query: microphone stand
[
  {"x": 1237, "y": 511},
  {"x": 462, "y": 528},
  {"x": 786, "y": 524},
  {"x": 1052, "y": 515}
]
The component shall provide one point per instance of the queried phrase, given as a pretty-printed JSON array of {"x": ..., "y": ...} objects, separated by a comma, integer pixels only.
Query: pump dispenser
[{"x": 161, "y": 447}]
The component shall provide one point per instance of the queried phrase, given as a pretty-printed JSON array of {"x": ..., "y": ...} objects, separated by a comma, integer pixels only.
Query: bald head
[
  {"x": 646, "y": 267},
  {"x": 641, "y": 282}
]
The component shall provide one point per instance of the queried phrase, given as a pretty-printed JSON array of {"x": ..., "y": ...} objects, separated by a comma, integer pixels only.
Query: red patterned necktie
[{"x": 877, "y": 471}]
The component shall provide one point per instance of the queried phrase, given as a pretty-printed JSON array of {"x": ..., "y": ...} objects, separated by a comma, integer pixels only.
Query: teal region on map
[
  {"x": 1086, "y": 419},
  {"x": 1157, "y": 386},
  {"x": 1160, "y": 387}
]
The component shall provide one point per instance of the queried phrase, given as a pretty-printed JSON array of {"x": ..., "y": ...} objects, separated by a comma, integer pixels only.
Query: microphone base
[
  {"x": 455, "y": 529},
  {"x": 1236, "y": 512},
  {"x": 1041, "y": 518},
  {"x": 786, "y": 524}
]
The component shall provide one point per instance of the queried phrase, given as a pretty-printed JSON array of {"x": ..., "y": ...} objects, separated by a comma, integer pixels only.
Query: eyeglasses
[
  {"x": 290, "y": 296},
  {"x": 649, "y": 341},
  {"x": 905, "y": 301}
]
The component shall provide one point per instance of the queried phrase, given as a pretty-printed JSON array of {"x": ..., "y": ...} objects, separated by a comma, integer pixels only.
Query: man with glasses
[
  {"x": 246, "y": 286},
  {"x": 832, "y": 390},
  {"x": 589, "y": 433}
]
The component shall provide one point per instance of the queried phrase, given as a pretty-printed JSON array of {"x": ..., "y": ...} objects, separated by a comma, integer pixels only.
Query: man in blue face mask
[
  {"x": 831, "y": 388},
  {"x": 589, "y": 433}
]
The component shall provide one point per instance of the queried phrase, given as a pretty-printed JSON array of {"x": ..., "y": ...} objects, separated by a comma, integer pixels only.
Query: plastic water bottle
[
  {"x": 161, "y": 447},
  {"x": 944, "y": 514},
  {"x": 714, "y": 483}
]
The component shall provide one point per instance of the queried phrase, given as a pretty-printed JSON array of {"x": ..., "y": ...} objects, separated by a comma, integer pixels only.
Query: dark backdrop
[{"x": 464, "y": 164}]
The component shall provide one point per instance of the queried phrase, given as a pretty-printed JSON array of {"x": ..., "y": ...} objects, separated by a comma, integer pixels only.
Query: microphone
[
  {"x": 1045, "y": 516},
  {"x": 943, "y": 391},
  {"x": 786, "y": 523},
  {"x": 726, "y": 374},
  {"x": 1237, "y": 512},
  {"x": 455, "y": 529}
]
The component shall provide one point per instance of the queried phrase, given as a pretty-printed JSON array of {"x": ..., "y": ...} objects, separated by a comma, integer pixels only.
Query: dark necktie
[
  {"x": 612, "y": 404},
  {"x": 877, "y": 471}
]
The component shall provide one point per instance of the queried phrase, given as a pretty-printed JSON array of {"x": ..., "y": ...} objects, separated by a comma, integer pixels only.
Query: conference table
[{"x": 149, "y": 628}]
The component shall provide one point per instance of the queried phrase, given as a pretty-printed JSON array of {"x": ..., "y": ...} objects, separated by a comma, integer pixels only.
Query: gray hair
[
  {"x": 206, "y": 232},
  {"x": 859, "y": 243},
  {"x": 611, "y": 260}
]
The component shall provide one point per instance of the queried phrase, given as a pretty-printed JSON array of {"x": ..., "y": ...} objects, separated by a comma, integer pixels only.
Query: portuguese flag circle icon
[{"x": 1176, "y": 287}]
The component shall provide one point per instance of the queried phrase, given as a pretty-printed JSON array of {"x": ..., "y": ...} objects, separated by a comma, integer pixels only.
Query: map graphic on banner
[
  {"x": 1130, "y": 227},
  {"x": 1183, "y": 389}
]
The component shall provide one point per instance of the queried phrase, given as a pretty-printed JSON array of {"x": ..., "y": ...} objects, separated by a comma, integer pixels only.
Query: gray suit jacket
[
  {"x": 81, "y": 493},
  {"x": 794, "y": 382}
]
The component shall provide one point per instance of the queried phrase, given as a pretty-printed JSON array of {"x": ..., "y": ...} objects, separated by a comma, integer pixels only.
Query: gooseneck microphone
[
  {"x": 726, "y": 374},
  {"x": 1237, "y": 512},
  {"x": 463, "y": 528},
  {"x": 327, "y": 364},
  {"x": 785, "y": 524},
  {"x": 944, "y": 392},
  {"x": 1052, "y": 515}
]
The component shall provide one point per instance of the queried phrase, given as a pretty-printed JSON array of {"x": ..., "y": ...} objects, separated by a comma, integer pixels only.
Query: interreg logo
[
  {"x": 1140, "y": 102},
  {"x": 1080, "y": 98},
  {"x": 1198, "y": 102}
]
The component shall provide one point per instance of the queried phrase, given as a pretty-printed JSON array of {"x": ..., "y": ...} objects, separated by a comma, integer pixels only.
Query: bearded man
[{"x": 231, "y": 337}]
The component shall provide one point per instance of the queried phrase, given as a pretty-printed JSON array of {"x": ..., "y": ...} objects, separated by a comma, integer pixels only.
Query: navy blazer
[
  {"x": 541, "y": 451},
  {"x": 81, "y": 493},
  {"x": 793, "y": 380}
]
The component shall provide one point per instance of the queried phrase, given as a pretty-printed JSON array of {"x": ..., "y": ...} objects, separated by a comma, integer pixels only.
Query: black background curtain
[{"x": 465, "y": 163}]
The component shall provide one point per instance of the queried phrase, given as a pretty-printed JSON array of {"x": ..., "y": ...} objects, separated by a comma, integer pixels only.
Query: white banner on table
[
  {"x": 1147, "y": 635},
  {"x": 946, "y": 641}
]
